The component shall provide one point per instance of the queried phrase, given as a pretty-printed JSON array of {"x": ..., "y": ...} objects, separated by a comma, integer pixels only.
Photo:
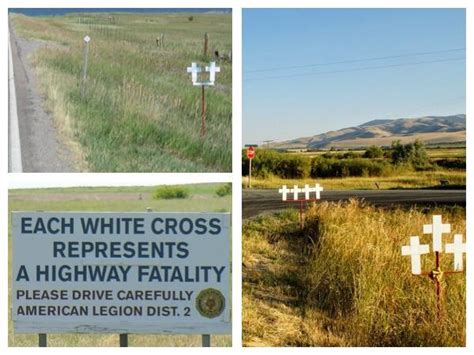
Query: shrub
[
  {"x": 412, "y": 153},
  {"x": 224, "y": 190},
  {"x": 451, "y": 163},
  {"x": 373, "y": 152},
  {"x": 170, "y": 192}
]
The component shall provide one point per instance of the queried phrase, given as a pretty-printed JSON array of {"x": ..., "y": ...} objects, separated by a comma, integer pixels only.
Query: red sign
[{"x": 250, "y": 152}]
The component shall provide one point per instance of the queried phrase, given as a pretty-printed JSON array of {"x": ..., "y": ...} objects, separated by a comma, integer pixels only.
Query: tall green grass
[{"x": 139, "y": 111}]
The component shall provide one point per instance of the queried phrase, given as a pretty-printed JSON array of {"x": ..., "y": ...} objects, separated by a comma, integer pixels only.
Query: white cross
[
  {"x": 194, "y": 70},
  {"x": 87, "y": 39},
  {"x": 296, "y": 190},
  {"x": 284, "y": 191},
  {"x": 437, "y": 229},
  {"x": 212, "y": 69},
  {"x": 415, "y": 250},
  {"x": 307, "y": 190},
  {"x": 318, "y": 190},
  {"x": 458, "y": 248}
]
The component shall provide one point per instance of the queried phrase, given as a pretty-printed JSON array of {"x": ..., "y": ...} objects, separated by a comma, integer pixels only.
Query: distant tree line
[{"x": 375, "y": 161}]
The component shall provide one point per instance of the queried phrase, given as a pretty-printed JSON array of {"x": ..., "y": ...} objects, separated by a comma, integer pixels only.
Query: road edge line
[{"x": 14, "y": 137}]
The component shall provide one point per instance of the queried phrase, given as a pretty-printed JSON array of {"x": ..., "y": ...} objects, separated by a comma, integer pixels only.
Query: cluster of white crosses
[
  {"x": 296, "y": 191},
  {"x": 212, "y": 69},
  {"x": 437, "y": 229}
]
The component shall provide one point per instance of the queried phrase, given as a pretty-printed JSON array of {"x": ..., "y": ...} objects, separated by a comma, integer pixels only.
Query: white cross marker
[
  {"x": 437, "y": 229},
  {"x": 194, "y": 70},
  {"x": 307, "y": 190},
  {"x": 318, "y": 190},
  {"x": 284, "y": 191},
  {"x": 458, "y": 248},
  {"x": 87, "y": 39},
  {"x": 212, "y": 69},
  {"x": 296, "y": 190},
  {"x": 415, "y": 250}
]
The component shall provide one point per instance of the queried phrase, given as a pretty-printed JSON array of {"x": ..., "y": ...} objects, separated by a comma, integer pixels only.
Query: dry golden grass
[{"x": 345, "y": 280}]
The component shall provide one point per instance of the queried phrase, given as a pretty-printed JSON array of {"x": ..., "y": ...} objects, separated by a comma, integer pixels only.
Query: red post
[
  {"x": 203, "y": 112},
  {"x": 301, "y": 215},
  {"x": 438, "y": 286}
]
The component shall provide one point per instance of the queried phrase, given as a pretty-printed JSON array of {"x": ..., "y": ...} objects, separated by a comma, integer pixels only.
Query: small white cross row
[
  {"x": 307, "y": 191},
  {"x": 296, "y": 190},
  {"x": 458, "y": 248},
  {"x": 437, "y": 229},
  {"x": 415, "y": 250},
  {"x": 284, "y": 191},
  {"x": 212, "y": 69},
  {"x": 194, "y": 70}
]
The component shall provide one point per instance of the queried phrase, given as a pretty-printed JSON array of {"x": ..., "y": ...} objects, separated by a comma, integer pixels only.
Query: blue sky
[{"x": 283, "y": 103}]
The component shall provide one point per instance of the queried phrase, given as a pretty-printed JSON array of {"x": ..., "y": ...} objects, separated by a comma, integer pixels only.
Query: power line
[
  {"x": 355, "y": 60},
  {"x": 355, "y": 69}
]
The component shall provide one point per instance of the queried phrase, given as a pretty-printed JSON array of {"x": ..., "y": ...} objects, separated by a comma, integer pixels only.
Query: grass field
[
  {"x": 202, "y": 198},
  {"x": 342, "y": 281},
  {"x": 412, "y": 180},
  {"x": 139, "y": 111}
]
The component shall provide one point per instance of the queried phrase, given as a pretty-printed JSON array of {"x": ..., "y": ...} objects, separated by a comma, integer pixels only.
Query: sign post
[
  {"x": 121, "y": 273},
  {"x": 415, "y": 250},
  {"x": 250, "y": 156},
  {"x": 212, "y": 69},
  {"x": 87, "y": 40},
  {"x": 285, "y": 191}
]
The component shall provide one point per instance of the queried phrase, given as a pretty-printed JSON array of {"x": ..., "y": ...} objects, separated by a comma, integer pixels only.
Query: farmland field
[
  {"x": 202, "y": 198},
  {"x": 137, "y": 110},
  {"x": 342, "y": 281}
]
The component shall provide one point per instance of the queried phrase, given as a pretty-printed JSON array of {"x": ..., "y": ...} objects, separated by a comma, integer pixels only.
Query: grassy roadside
[
  {"x": 139, "y": 111},
  {"x": 343, "y": 282},
  {"x": 202, "y": 198},
  {"x": 413, "y": 180}
]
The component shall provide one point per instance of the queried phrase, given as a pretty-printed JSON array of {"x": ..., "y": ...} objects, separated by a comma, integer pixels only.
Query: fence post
[
  {"x": 206, "y": 40},
  {"x": 206, "y": 340},
  {"x": 42, "y": 340}
]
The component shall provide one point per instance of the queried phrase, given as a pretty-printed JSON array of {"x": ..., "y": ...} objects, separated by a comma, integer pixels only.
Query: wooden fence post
[
  {"x": 42, "y": 340},
  {"x": 124, "y": 340},
  {"x": 206, "y": 40}
]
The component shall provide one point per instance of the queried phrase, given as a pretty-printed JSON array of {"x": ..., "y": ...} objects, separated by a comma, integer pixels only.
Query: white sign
[
  {"x": 121, "y": 272},
  {"x": 296, "y": 191},
  {"x": 212, "y": 69}
]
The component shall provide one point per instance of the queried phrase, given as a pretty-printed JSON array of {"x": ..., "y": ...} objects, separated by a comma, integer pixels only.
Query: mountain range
[{"x": 429, "y": 129}]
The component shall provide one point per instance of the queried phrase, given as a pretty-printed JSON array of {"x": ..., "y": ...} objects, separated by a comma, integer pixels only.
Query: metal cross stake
[
  {"x": 307, "y": 196},
  {"x": 415, "y": 250},
  {"x": 87, "y": 40},
  {"x": 212, "y": 69}
]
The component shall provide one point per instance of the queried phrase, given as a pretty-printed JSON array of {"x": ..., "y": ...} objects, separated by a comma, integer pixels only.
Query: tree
[
  {"x": 411, "y": 153},
  {"x": 373, "y": 152}
]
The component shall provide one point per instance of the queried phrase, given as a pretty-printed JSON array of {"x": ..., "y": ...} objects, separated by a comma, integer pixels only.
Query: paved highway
[
  {"x": 255, "y": 202},
  {"x": 34, "y": 144}
]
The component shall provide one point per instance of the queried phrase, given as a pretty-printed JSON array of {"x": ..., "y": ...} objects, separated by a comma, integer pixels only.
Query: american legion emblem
[{"x": 210, "y": 303}]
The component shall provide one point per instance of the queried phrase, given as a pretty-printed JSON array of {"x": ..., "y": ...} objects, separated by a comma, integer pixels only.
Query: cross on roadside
[
  {"x": 284, "y": 191},
  {"x": 458, "y": 248},
  {"x": 212, "y": 69},
  {"x": 437, "y": 229},
  {"x": 415, "y": 250},
  {"x": 318, "y": 190},
  {"x": 296, "y": 190},
  {"x": 307, "y": 191},
  {"x": 194, "y": 70}
]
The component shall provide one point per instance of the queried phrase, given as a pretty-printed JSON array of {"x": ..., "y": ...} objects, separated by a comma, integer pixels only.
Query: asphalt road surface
[
  {"x": 39, "y": 145},
  {"x": 255, "y": 202}
]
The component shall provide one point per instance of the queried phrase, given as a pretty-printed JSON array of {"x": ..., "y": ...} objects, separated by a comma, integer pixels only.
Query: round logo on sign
[{"x": 210, "y": 303}]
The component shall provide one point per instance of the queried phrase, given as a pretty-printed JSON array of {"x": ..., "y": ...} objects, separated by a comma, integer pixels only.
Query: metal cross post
[
  {"x": 415, "y": 250},
  {"x": 307, "y": 197},
  {"x": 212, "y": 69}
]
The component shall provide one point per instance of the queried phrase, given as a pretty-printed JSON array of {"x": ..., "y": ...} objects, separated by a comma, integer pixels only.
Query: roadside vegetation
[
  {"x": 400, "y": 166},
  {"x": 342, "y": 281},
  {"x": 139, "y": 110},
  {"x": 118, "y": 199}
]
